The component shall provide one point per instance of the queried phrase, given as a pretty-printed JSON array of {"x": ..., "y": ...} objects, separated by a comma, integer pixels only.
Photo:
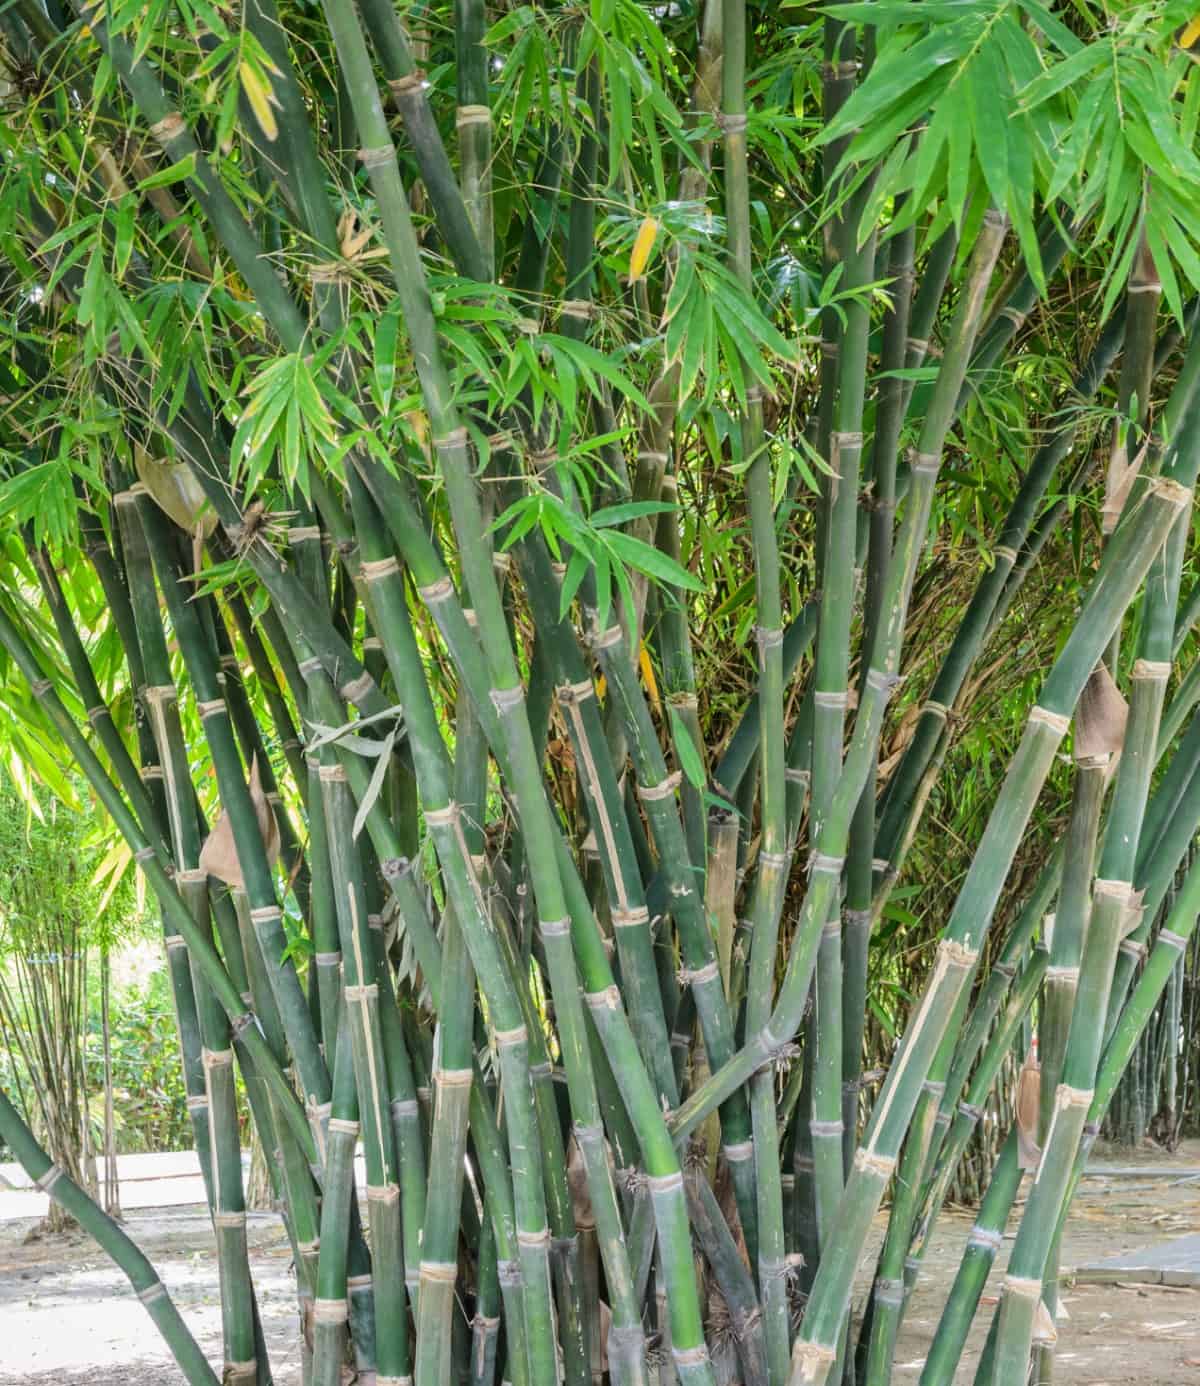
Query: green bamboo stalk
[
  {"x": 265, "y": 911},
  {"x": 142, "y": 1275},
  {"x": 899, "y": 807},
  {"x": 452, "y": 1082},
  {"x": 1135, "y": 544},
  {"x": 331, "y": 1310},
  {"x": 984, "y": 1241}
]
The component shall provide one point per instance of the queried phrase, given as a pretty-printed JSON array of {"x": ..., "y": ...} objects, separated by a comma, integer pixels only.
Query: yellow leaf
[
  {"x": 260, "y": 97},
  {"x": 1190, "y": 32},
  {"x": 648, "y": 677},
  {"x": 642, "y": 246}
]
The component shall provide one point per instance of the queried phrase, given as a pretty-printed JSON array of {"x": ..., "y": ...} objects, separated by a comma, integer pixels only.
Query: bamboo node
[
  {"x": 739, "y": 1151},
  {"x": 152, "y": 772},
  {"x": 453, "y": 1077},
  {"x": 169, "y": 128},
  {"x": 395, "y": 868},
  {"x": 857, "y": 917},
  {"x": 545, "y": 1069},
  {"x": 577, "y": 308},
  {"x": 303, "y": 534},
  {"x": 343, "y": 1126},
  {"x": 377, "y": 157},
  {"x": 1004, "y": 551},
  {"x": 456, "y": 438},
  {"x": 687, "y": 976},
  {"x": 734, "y": 123},
  {"x": 517, "y": 1035},
  {"x": 822, "y": 861},
  {"x": 534, "y": 1241},
  {"x": 870, "y": 1162},
  {"x": 444, "y": 817},
  {"x": 160, "y": 693},
  {"x": 372, "y": 642},
  {"x": 606, "y": 639},
  {"x": 555, "y": 928},
  {"x": 383, "y": 1193},
  {"x": 95, "y": 713},
  {"x": 49, "y": 1178},
  {"x": 406, "y": 1107},
  {"x": 663, "y": 790},
  {"x": 1173, "y": 492},
  {"x": 194, "y": 876},
  {"x": 216, "y": 1058},
  {"x": 330, "y": 1311},
  {"x": 607, "y": 1000},
  {"x": 438, "y": 591},
  {"x": 925, "y": 463},
  {"x": 505, "y": 699},
  {"x": 358, "y": 688},
  {"x": 576, "y": 692},
  {"x": 846, "y": 440},
  {"x": 176, "y": 940},
  {"x": 143, "y": 855},
  {"x": 210, "y": 708},
  {"x": 1118, "y": 891},
  {"x": 812, "y": 1361},
  {"x": 152, "y": 1292},
  {"x": 956, "y": 954},
  {"x": 1066, "y": 1097},
  {"x": 392, "y": 1380},
  {"x": 1172, "y": 939},
  {"x": 231, "y": 1220},
  {"x": 933, "y": 1088},
  {"x": 836, "y": 702},
  {"x": 309, "y": 666},
  {"x": 827, "y": 1128},
  {"x": 359, "y": 1282},
  {"x": 768, "y": 638},
  {"x": 367, "y": 991},
  {"x": 1014, "y": 315},
  {"x": 774, "y": 861},
  {"x": 1062, "y": 974},
  {"x": 1133, "y": 949},
  {"x": 662, "y": 1184},
  {"x": 198, "y": 1103},
  {"x": 832, "y": 928},
  {"x": 443, "y": 1272},
  {"x": 628, "y": 919},
  {"x": 1024, "y": 1286},
  {"x": 264, "y": 914},
  {"x": 690, "y": 1357},
  {"x": 889, "y": 1292},
  {"x": 473, "y": 115},
  {"x": 329, "y": 959},
  {"x": 970, "y": 1111},
  {"x": 376, "y": 569},
  {"x": 1156, "y": 670},
  {"x": 936, "y": 709},
  {"x": 794, "y": 776}
]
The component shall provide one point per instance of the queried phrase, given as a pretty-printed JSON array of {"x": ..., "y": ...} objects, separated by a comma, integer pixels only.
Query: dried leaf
[
  {"x": 1027, "y": 1106},
  {"x": 1044, "y": 1330},
  {"x": 219, "y": 856},
  {"x": 1100, "y": 719},
  {"x": 176, "y": 492},
  {"x": 1119, "y": 483},
  {"x": 1131, "y": 914},
  {"x": 642, "y": 246}
]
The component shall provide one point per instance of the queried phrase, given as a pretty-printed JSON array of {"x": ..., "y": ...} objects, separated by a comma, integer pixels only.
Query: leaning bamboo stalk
[
  {"x": 142, "y": 1275},
  {"x": 1134, "y": 546},
  {"x": 984, "y": 1241}
]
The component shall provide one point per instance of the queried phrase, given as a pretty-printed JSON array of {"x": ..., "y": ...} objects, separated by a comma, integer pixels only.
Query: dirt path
[{"x": 67, "y": 1317}]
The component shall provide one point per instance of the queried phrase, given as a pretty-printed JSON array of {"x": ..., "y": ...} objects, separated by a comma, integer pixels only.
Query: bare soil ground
[{"x": 67, "y": 1316}]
